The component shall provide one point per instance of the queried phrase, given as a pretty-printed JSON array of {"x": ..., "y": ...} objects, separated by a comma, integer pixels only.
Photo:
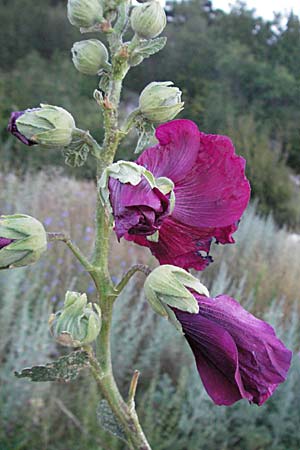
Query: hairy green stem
[
  {"x": 102, "y": 365},
  {"x": 136, "y": 268}
]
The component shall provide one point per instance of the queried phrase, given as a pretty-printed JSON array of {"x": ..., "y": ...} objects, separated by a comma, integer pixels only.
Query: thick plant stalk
[{"x": 101, "y": 366}]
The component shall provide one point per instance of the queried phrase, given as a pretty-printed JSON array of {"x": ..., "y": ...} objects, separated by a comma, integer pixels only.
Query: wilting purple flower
[
  {"x": 237, "y": 355},
  {"x": 4, "y": 242},
  {"x": 13, "y": 129},
  {"x": 211, "y": 193}
]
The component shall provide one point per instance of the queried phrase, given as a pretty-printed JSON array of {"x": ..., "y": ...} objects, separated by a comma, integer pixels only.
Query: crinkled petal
[
  {"x": 133, "y": 205},
  {"x": 263, "y": 360},
  {"x": 176, "y": 153},
  {"x": 13, "y": 129},
  {"x": 184, "y": 246}
]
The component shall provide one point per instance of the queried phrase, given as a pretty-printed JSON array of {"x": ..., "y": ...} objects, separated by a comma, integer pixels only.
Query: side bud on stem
[
  {"x": 90, "y": 57},
  {"x": 148, "y": 20},
  {"x": 160, "y": 102},
  {"x": 170, "y": 287},
  {"x": 49, "y": 126},
  {"x": 85, "y": 13},
  {"x": 22, "y": 241},
  {"x": 79, "y": 323}
]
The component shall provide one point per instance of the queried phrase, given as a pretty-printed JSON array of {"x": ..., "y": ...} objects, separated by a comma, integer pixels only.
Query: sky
[{"x": 264, "y": 8}]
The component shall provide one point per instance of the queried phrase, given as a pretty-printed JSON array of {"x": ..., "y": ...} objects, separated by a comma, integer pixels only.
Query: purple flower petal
[
  {"x": 13, "y": 129},
  {"x": 237, "y": 355},
  {"x": 137, "y": 209},
  {"x": 211, "y": 193},
  {"x": 4, "y": 242}
]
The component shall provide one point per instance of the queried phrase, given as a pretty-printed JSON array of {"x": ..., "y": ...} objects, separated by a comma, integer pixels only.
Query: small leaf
[
  {"x": 65, "y": 368},
  {"x": 146, "y": 49},
  {"x": 108, "y": 421},
  {"x": 76, "y": 155},
  {"x": 146, "y": 132},
  {"x": 104, "y": 83}
]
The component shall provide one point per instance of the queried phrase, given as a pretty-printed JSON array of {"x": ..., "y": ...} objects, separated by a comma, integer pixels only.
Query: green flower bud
[
  {"x": 78, "y": 323},
  {"x": 90, "y": 57},
  {"x": 49, "y": 126},
  {"x": 167, "y": 287},
  {"x": 22, "y": 241},
  {"x": 85, "y": 13},
  {"x": 148, "y": 20},
  {"x": 160, "y": 102}
]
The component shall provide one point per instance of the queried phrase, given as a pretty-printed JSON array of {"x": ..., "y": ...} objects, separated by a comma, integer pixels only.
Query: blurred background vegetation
[{"x": 240, "y": 76}]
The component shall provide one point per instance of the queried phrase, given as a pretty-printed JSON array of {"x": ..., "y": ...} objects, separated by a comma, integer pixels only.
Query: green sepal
[
  {"x": 65, "y": 368},
  {"x": 168, "y": 287}
]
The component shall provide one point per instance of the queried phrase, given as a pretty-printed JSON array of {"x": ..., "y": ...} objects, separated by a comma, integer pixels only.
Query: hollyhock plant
[
  {"x": 237, "y": 355},
  {"x": 211, "y": 193}
]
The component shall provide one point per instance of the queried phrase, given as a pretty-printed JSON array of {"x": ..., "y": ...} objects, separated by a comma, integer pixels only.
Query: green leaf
[
  {"x": 104, "y": 83},
  {"x": 108, "y": 421},
  {"x": 146, "y": 132},
  {"x": 76, "y": 155},
  {"x": 146, "y": 49},
  {"x": 65, "y": 368}
]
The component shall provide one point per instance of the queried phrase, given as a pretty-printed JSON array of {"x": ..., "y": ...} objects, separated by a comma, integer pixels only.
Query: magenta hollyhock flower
[
  {"x": 237, "y": 355},
  {"x": 211, "y": 193},
  {"x": 4, "y": 242},
  {"x": 13, "y": 129}
]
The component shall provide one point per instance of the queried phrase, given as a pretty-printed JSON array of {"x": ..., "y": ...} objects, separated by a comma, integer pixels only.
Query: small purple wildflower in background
[{"x": 48, "y": 221}]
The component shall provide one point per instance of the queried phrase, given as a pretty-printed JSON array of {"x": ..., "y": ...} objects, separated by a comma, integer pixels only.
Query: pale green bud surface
[
  {"x": 85, "y": 13},
  {"x": 148, "y": 20},
  {"x": 28, "y": 240},
  {"x": 79, "y": 322},
  {"x": 160, "y": 102},
  {"x": 90, "y": 57},
  {"x": 49, "y": 126},
  {"x": 130, "y": 172},
  {"x": 168, "y": 286}
]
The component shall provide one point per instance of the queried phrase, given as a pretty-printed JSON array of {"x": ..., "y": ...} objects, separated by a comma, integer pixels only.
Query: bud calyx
[{"x": 78, "y": 323}]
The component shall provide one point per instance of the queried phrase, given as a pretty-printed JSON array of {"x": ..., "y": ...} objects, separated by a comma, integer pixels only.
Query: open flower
[
  {"x": 210, "y": 188},
  {"x": 237, "y": 355}
]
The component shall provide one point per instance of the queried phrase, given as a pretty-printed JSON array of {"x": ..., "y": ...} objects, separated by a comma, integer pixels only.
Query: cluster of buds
[
  {"x": 78, "y": 323},
  {"x": 23, "y": 239}
]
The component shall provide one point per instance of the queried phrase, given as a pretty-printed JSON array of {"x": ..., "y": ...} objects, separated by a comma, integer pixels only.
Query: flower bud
[
  {"x": 169, "y": 287},
  {"x": 148, "y": 20},
  {"x": 78, "y": 323},
  {"x": 85, "y": 13},
  {"x": 49, "y": 126},
  {"x": 160, "y": 102},
  {"x": 90, "y": 57},
  {"x": 22, "y": 241}
]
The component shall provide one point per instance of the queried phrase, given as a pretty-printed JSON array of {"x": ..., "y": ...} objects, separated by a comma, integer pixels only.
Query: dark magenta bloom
[
  {"x": 138, "y": 210},
  {"x": 13, "y": 129},
  {"x": 4, "y": 242},
  {"x": 237, "y": 355},
  {"x": 211, "y": 193}
]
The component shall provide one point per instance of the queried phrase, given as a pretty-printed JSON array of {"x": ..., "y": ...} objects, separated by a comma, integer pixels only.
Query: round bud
[
  {"x": 49, "y": 126},
  {"x": 84, "y": 13},
  {"x": 78, "y": 323},
  {"x": 23, "y": 239},
  {"x": 160, "y": 102},
  {"x": 90, "y": 56},
  {"x": 148, "y": 20}
]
